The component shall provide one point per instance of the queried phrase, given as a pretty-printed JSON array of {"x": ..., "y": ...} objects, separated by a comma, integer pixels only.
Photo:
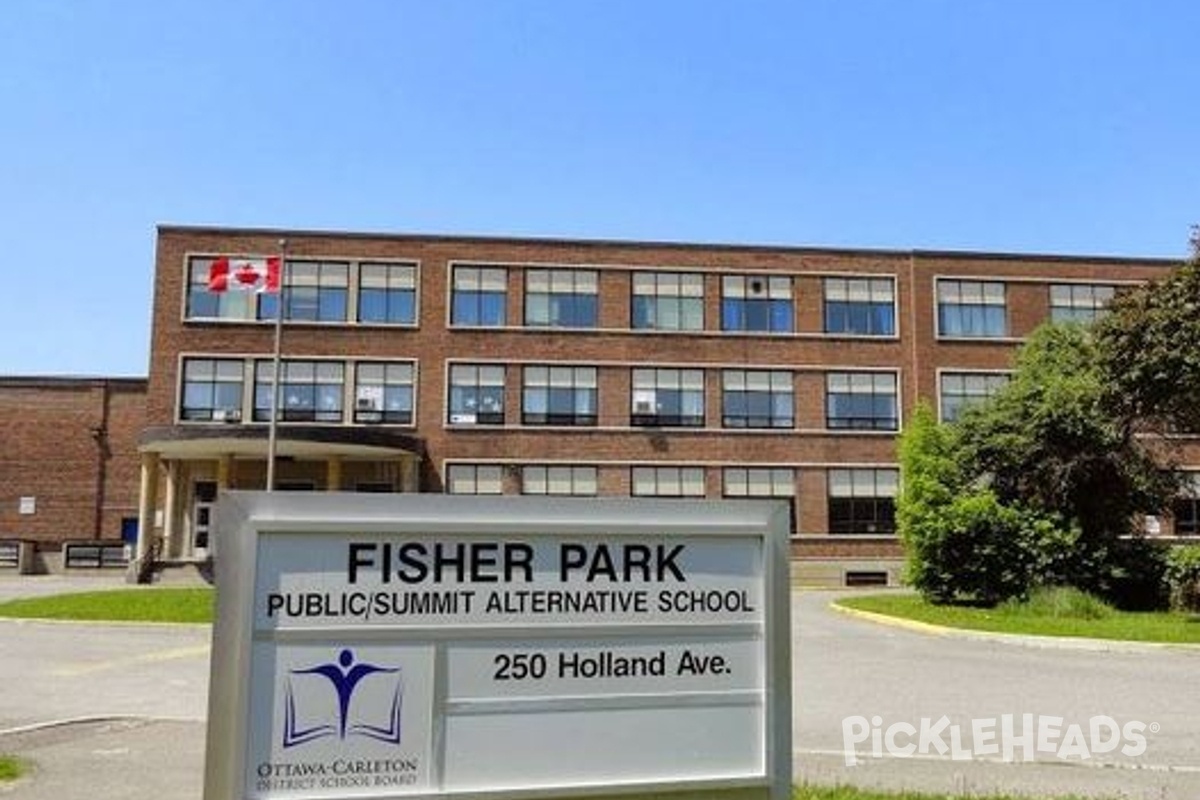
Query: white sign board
[{"x": 417, "y": 645}]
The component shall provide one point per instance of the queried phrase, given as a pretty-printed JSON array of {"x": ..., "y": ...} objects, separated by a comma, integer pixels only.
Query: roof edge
[{"x": 982, "y": 255}]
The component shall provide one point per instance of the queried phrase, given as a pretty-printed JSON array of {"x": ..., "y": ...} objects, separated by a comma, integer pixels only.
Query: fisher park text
[{"x": 510, "y": 562}]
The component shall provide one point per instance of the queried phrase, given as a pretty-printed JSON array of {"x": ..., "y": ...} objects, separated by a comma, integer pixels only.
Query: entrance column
[
  {"x": 170, "y": 512},
  {"x": 224, "y": 471},
  {"x": 147, "y": 499},
  {"x": 410, "y": 474},
  {"x": 333, "y": 474}
]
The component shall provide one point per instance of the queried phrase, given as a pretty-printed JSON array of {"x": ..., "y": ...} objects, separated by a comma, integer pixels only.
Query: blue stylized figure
[{"x": 345, "y": 675}]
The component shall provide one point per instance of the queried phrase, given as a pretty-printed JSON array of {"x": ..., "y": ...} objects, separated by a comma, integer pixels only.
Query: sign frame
[{"x": 243, "y": 519}]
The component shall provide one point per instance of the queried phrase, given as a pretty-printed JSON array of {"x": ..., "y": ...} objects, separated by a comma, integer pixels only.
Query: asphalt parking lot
[{"x": 117, "y": 711}]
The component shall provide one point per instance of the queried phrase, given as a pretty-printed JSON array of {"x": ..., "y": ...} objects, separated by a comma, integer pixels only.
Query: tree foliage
[
  {"x": 1149, "y": 352},
  {"x": 1043, "y": 483}
]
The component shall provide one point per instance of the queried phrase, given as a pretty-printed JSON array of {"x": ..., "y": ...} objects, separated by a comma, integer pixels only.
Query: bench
[
  {"x": 94, "y": 555},
  {"x": 10, "y": 554}
]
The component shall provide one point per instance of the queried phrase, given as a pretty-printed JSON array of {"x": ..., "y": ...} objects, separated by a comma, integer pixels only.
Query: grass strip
[
  {"x": 12, "y": 768},
  {"x": 807, "y": 792},
  {"x": 1133, "y": 626},
  {"x": 147, "y": 604}
]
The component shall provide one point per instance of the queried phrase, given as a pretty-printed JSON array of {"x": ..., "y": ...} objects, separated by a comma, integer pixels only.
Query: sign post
[{"x": 432, "y": 646}]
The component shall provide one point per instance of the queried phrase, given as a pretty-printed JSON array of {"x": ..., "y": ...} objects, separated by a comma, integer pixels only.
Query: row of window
[
  {"x": 860, "y": 501},
  {"x": 386, "y": 293},
  {"x": 384, "y": 392}
]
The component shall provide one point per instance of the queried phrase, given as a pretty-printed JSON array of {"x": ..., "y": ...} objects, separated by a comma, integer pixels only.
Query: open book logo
[{"x": 342, "y": 698}]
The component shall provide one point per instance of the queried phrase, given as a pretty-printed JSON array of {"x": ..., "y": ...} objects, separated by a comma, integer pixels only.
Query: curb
[{"x": 1018, "y": 639}]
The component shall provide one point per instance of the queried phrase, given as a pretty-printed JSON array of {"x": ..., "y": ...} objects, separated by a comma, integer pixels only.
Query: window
[
  {"x": 668, "y": 301},
  {"x": 203, "y": 304},
  {"x": 862, "y": 501},
  {"x": 387, "y": 293},
  {"x": 861, "y": 401},
  {"x": 559, "y": 396},
  {"x": 757, "y": 399},
  {"x": 756, "y": 303},
  {"x": 668, "y": 397},
  {"x": 313, "y": 291},
  {"x": 474, "y": 479},
  {"x": 476, "y": 395},
  {"x": 1078, "y": 302},
  {"x": 960, "y": 389},
  {"x": 1186, "y": 508},
  {"x": 668, "y": 482},
  {"x": 479, "y": 296},
  {"x": 560, "y": 298},
  {"x": 971, "y": 308},
  {"x": 384, "y": 393},
  {"x": 759, "y": 482},
  {"x": 863, "y": 306},
  {"x": 565, "y": 480},
  {"x": 310, "y": 391},
  {"x": 212, "y": 390}
]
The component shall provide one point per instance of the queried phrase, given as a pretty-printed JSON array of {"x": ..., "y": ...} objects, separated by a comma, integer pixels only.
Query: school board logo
[{"x": 341, "y": 699}]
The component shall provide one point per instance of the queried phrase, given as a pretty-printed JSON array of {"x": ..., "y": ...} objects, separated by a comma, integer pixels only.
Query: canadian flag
[{"x": 244, "y": 274}]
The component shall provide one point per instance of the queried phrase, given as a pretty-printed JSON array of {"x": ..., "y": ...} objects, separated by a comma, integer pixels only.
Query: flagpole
[{"x": 272, "y": 430}]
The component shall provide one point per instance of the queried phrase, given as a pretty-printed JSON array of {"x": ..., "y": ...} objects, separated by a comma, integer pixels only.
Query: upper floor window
[
  {"x": 971, "y": 308},
  {"x": 757, "y": 399},
  {"x": 312, "y": 291},
  {"x": 559, "y": 396},
  {"x": 474, "y": 479},
  {"x": 668, "y": 301},
  {"x": 212, "y": 390},
  {"x": 668, "y": 482},
  {"x": 561, "y": 298},
  {"x": 1078, "y": 302},
  {"x": 383, "y": 392},
  {"x": 960, "y": 389},
  {"x": 387, "y": 293},
  {"x": 559, "y": 480},
  {"x": 862, "y": 501},
  {"x": 476, "y": 394},
  {"x": 668, "y": 397},
  {"x": 862, "y": 306},
  {"x": 861, "y": 400},
  {"x": 310, "y": 391},
  {"x": 203, "y": 304},
  {"x": 480, "y": 296},
  {"x": 757, "y": 303}
]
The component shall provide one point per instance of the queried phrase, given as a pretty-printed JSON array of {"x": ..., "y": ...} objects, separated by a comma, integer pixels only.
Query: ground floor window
[{"x": 862, "y": 501}]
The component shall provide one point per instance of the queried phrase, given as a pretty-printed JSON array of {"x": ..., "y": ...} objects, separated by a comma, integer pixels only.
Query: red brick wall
[
  {"x": 918, "y": 354},
  {"x": 52, "y": 430}
]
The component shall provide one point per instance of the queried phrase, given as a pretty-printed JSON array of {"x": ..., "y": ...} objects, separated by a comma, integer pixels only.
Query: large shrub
[
  {"x": 1183, "y": 576},
  {"x": 976, "y": 550},
  {"x": 962, "y": 544}
]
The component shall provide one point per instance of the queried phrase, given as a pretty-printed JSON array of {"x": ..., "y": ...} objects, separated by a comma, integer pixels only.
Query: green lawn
[
  {"x": 11, "y": 768},
  {"x": 850, "y": 793},
  {"x": 1122, "y": 625},
  {"x": 119, "y": 605}
]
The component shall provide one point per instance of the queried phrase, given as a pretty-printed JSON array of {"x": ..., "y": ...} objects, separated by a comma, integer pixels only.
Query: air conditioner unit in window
[
  {"x": 367, "y": 404},
  {"x": 645, "y": 402},
  {"x": 227, "y": 415}
]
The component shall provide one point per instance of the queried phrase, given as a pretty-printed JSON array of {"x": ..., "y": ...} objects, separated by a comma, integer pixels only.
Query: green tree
[
  {"x": 1149, "y": 352},
  {"x": 963, "y": 545}
]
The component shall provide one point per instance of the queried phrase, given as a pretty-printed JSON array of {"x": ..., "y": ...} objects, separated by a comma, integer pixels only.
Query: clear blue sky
[{"x": 1019, "y": 125}]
